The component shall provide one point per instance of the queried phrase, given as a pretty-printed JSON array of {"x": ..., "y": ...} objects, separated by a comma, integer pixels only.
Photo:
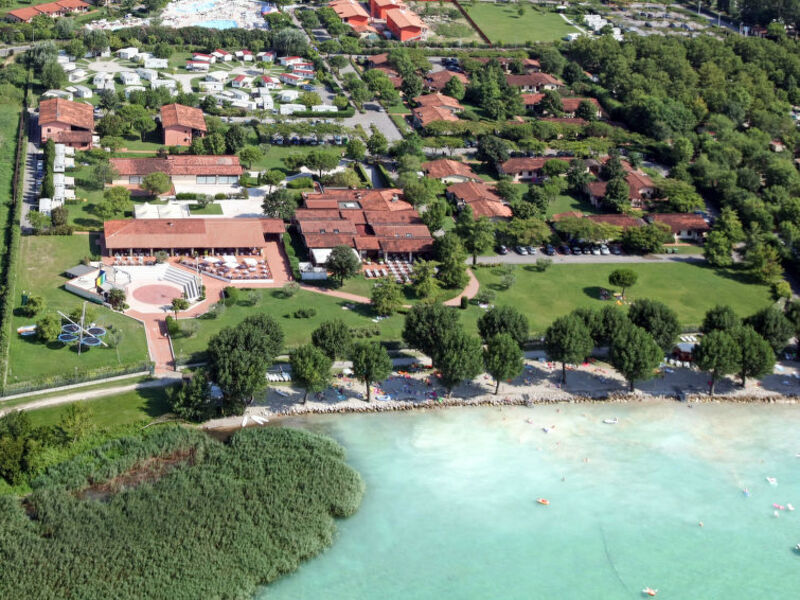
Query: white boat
[
  {"x": 797, "y": 547},
  {"x": 244, "y": 421},
  {"x": 281, "y": 393},
  {"x": 613, "y": 421},
  {"x": 259, "y": 420},
  {"x": 772, "y": 481}
]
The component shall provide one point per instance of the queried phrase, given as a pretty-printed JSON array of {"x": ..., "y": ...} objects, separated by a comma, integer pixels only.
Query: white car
[{"x": 604, "y": 250}]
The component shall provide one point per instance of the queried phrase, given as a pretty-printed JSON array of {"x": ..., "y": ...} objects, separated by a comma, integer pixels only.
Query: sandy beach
[{"x": 418, "y": 387}]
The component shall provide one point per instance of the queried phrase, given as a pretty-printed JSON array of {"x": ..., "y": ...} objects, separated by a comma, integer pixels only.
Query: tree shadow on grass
[
  {"x": 156, "y": 400},
  {"x": 88, "y": 223},
  {"x": 593, "y": 291}
]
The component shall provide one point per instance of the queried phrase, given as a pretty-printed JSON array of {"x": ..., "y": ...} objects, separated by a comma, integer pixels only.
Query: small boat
[
  {"x": 26, "y": 330},
  {"x": 790, "y": 507},
  {"x": 776, "y": 514},
  {"x": 746, "y": 492},
  {"x": 244, "y": 421},
  {"x": 543, "y": 501},
  {"x": 259, "y": 420},
  {"x": 613, "y": 421},
  {"x": 649, "y": 591},
  {"x": 797, "y": 548},
  {"x": 772, "y": 481}
]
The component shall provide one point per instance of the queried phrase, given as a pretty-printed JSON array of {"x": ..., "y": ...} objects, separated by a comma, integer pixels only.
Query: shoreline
[{"x": 375, "y": 407}]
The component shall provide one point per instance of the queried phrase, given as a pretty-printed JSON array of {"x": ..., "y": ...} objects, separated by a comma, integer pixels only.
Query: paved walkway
[{"x": 470, "y": 291}]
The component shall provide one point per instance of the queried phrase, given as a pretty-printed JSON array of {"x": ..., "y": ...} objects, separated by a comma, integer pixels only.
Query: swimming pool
[
  {"x": 219, "y": 24},
  {"x": 194, "y": 7}
]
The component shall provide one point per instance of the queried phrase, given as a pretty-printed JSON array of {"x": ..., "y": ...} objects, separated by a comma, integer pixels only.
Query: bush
[
  {"x": 231, "y": 295},
  {"x": 186, "y": 196},
  {"x": 290, "y": 289},
  {"x": 781, "y": 289},
  {"x": 173, "y": 327},
  {"x": 464, "y": 302},
  {"x": 304, "y": 313},
  {"x": 301, "y": 183}
]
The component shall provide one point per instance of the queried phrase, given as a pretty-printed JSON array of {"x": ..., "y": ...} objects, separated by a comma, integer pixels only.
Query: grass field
[
  {"x": 567, "y": 202},
  {"x": 42, "y": 262},
  {"x": 113, "y": 411},
  {"x": 297, "y": 331},
  {"x": 273, "y": 158},
  {"x": 502, "y": 23},
  {"x": 689, "y": 289}
]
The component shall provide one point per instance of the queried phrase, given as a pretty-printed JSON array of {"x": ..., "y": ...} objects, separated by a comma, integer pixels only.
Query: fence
[
  {"x": 484, "y": 37},
  {"x": 80, "y": 377}
]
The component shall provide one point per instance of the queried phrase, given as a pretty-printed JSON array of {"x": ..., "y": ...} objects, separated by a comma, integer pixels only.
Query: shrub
[
  {"x": 464, "y": 302},
  {"x": 305, "y": 313},
  {"x": 301, "y": 183},
  {"x": 231, "y": 295},
  {"x": 173, "y": 327},
  {"x": 290, "y": 289}
]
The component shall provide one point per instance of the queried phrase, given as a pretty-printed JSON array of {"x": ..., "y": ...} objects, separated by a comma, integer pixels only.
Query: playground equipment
[{"x": 89, "y": 337}]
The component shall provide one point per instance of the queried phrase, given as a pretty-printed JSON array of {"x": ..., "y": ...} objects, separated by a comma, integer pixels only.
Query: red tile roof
[
  {"x": 445, "y": 167},
  {"x": 188, "y": 233},
  {"x": 430, "y": 114},
  {"x": 681, "y": 222},
  {"x": 532, "y": 99},
  {"x": 71, "y": 137},
  {"x": 534, "y": 163},
  {"x": 25, "y": 14},
  {"x": 481, "y": 198},
  {"x": 533, "y": 80},
  {"x": 571, "y": 104},
  {"x": 178, "y": 115},
  {"x": 437, "y": 99},
  {"x": 401, "y": 246},
  {"x": 378, "y": 60},
  {"x": 565, "y": 121},
  {"x": 178, "y": 164},
  {"x": 624, "y": 221},
  {"x": 437, "y": 80},
  {"x": 74, "y": 114},
  {"x": 404, "y": 19}
]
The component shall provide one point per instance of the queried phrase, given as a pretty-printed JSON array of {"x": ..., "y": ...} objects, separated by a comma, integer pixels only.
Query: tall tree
[
  {"x": 720, "y": 318},
  {"x": 718, "y": 353},
  {"x": 386, "y": 297},
  {"x": 192, "y": 400},
  {"x": 311, "y": 369},
  {"x": 451, "y": 255},
  {"x": 460, "y": 358},
  {"x": 434, "y": 215},
  {"x": 477, "y": 235},
  {"x": 635, "y": 354},
  {"x": 333, "y": 338},
  {"x": 371, "y": 363},
  {"x": 279, "y": 204},
  {"x": 504, "y": 319},
  {"x": 423, "y": 282},
  {"x": 502, "y": 358},
  {"x": 657, "y": 319},
  {"x": 342, "y": 263},
  {"x": 623, "y": 278},
  {"x": 238, "y": 358},
  {"x": 426, "y": 326},
  {"x": 568, "y": 340},
  {"x": 771, "y": 324},
  {"x": 756, "y": 356}
]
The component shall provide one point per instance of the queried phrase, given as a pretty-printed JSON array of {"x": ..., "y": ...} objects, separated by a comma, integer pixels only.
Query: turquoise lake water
[{"x": 450, "y": 508}]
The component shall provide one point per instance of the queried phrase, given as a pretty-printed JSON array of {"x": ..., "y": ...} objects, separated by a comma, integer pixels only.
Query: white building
[
  {"x": 194, "y": 65},
  {"x": 58, "y": 94},
  {"x": 80, "y": 91},
  {"x": 269, "y": 82},
  {"x": 238, "y": 94},
  {"x": 156, "y": 63},
  {"x": 211, "y": 86},
  {"x": 128, "y": 53},
  {"x": 133, "y": 88},
  {"x": 130, "y": 78},
  {"x": 46, "y": 205},
  {"x": 265, "y": 102},
  {"x": 324, "y": 108},
  {"x": 206, "y": 58},
  {"x": 220, "y": 76},
  {"x": 169, "y": 84},
  {"x": 288, "y": 95},
  {"x": 242, "y": 81},
  {"x": 266, "y": 57},
  {"x": 76, "y": 75},
  {"x": 291, "y": 78},
  {"x": 288, "y": 109},
  {"x": 222, "y": 55},
  {"x": 290, "y": 60},
  {"x": 147, "y": 74},
  {"x": 102, "y": 79}
]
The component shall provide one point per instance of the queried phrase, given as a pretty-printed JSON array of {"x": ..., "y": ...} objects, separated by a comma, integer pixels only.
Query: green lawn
[
  {"x": 501, "y": 23},
  {"x": 42, "y": 262},
  {"x": 567, "y": 202},
  {"x": 113, "y": 411},
  {"x": 178, "y": 60},
  {"x": 273, "y": 158},
  {"x": 362, "y": 286},
  {"x": 210, "y": 209},
  {"x": 298, "y": 331},
  {"x": 685, "y": 287}
]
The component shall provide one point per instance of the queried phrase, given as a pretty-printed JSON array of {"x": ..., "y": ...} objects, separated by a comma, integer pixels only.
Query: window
[
  {"x": 206, "y": 179},
  {"x": 135, "y": 179}
]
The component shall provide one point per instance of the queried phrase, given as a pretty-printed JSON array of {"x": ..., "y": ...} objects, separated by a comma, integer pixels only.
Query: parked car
[
  {"x": 576, "y": 250},
  {"x": 564, "y": 250},
  {"x": 502, "y": 250},
  {"x": 521, "y": 250},
  {"x": 307, "y": 87},
  {"x": 616, "y": 250},
  {"x": 596, "y": 250},
  {"x": 549, "y": 250},
  {"x": 531, "y": 250},
  {"x": 604, "y": 250}
]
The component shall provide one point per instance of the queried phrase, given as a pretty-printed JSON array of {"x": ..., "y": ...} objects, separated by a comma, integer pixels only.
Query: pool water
[
  {"x": 196, "y": 7},
  {"x": 450, "y": 509},
  {"x": 218, "y": 24}
]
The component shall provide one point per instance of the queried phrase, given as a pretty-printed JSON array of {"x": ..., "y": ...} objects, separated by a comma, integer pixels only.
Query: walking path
[{"x": 90, "y": 394}]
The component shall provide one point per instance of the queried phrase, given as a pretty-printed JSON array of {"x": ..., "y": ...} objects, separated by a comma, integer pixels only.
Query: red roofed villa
[
  {"x": 449, "y": 171},
  {"x": 66, "y": 122},
  {"x": 481, "y": 198},
  {"x": 188, "y": 173},
  {"x": 405, "y": 25},
  {"x": 51, "y": 9},
  {"x": 181, "y": 124}
]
